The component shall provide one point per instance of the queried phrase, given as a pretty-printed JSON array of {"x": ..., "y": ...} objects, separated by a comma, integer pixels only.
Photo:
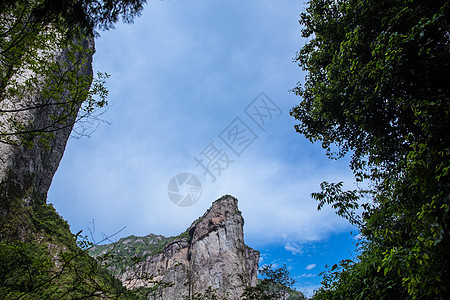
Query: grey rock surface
[
  {"x": 28, "y": 171},
  {"x": 214, "y": 258}
]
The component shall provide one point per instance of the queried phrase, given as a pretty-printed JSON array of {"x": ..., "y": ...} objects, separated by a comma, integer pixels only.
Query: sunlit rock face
[
  {"x": 213, "y": 257},
  {"x": 218, "y": 256}
]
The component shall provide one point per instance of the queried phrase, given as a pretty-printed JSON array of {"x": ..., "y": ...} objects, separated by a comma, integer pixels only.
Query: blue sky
[{"x": 180, "y": 76}]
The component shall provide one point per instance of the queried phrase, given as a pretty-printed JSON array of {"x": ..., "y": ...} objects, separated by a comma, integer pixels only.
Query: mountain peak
[{"x": 213, "y": 257}]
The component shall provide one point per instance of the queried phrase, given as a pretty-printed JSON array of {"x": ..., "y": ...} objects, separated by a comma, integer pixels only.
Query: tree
[
  {"x": 276, "y": 284},
  {"x": 53, "y": 263},
  {"x": 45, "y": 54},
  {"x": 377, "y": 89},
  {"x": 46, "y": 86}
]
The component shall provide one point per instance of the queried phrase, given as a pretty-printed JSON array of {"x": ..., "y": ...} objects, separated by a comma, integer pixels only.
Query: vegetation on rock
[
  {"x": 46, "y": 85},
  {"x": 126, "y": 252},
  {"x": 43, "y": 53},
  {"x": 50, "y": 264}
]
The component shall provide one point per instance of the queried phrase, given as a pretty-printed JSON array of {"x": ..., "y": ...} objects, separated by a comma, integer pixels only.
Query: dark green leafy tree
[
  {"x": 275, "y": 284},
  {"x": 89, "y": 14},
  {"x": 52, "y": 264},
  {"x": 377, "y": 89}
]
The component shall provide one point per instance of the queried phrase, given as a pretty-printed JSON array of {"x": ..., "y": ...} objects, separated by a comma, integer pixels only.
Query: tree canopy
[
  {"x": 377, "y": 89},
  {"x": 90, "y": 14}
]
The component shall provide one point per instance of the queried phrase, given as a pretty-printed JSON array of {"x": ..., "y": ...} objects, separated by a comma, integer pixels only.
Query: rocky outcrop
[
  {"x": 218, "y": 256},
  {"x": 44, "y": 110},
  {"x": 212, "y": 258},
  {"x": 33, "y": 166}
]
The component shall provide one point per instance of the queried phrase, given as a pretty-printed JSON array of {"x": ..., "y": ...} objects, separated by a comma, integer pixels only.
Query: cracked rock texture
[
  {"x": 26, "y": 172},
  {"x": 213, "y": 257},
  {"x": 32, "y": 168}
]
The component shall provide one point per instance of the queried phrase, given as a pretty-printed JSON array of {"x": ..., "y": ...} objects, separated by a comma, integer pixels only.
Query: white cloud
[
  {"x": 180, "y": 75},
  {"x": 308, "y": 289},
  {"x": 294, "y": 248},
  {"x": 172, "y": 97},
  {"x": 275, "y": 266},
  {"x": 128, "y": 187},
  {"x": 309, "y": 275},
  {"x": 310, "y": 267}
]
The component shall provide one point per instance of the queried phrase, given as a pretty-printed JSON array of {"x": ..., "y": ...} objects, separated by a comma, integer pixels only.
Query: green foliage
[
  {"x": 128, "y": 251},
  {"x": 276, "y": 284},
  {"x": 87, "y": 14},
  {"x": 44, "y": 75},
  {"x": 45, "y": 61},
  {"x": 50, "y": 226},
  {"x": 24, "y": 268},
  {"x": 360, "y": 279},
  {"x": 50, "y": 265},
  {"x": 377, "y": 88}
]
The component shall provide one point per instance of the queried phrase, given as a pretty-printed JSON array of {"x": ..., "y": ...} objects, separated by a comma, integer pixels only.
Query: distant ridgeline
[{"x": 128, "y": 248}]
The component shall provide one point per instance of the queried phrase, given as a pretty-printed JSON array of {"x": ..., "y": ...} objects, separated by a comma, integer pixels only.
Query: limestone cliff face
[
  {"x": 212, "y": 258},
  {"x": 34, "y": 167},
  {"x": 26, "y": 171},
  {"x": 217, "y": 253}
]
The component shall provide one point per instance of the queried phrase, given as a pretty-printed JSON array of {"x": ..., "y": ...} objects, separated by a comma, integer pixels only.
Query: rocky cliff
[
  {"x": 44, "y": 82},
  {"x": 27, "y": 160},
  {"x": 210, "y": 258},
  {"x": 38, "y": 108}
]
